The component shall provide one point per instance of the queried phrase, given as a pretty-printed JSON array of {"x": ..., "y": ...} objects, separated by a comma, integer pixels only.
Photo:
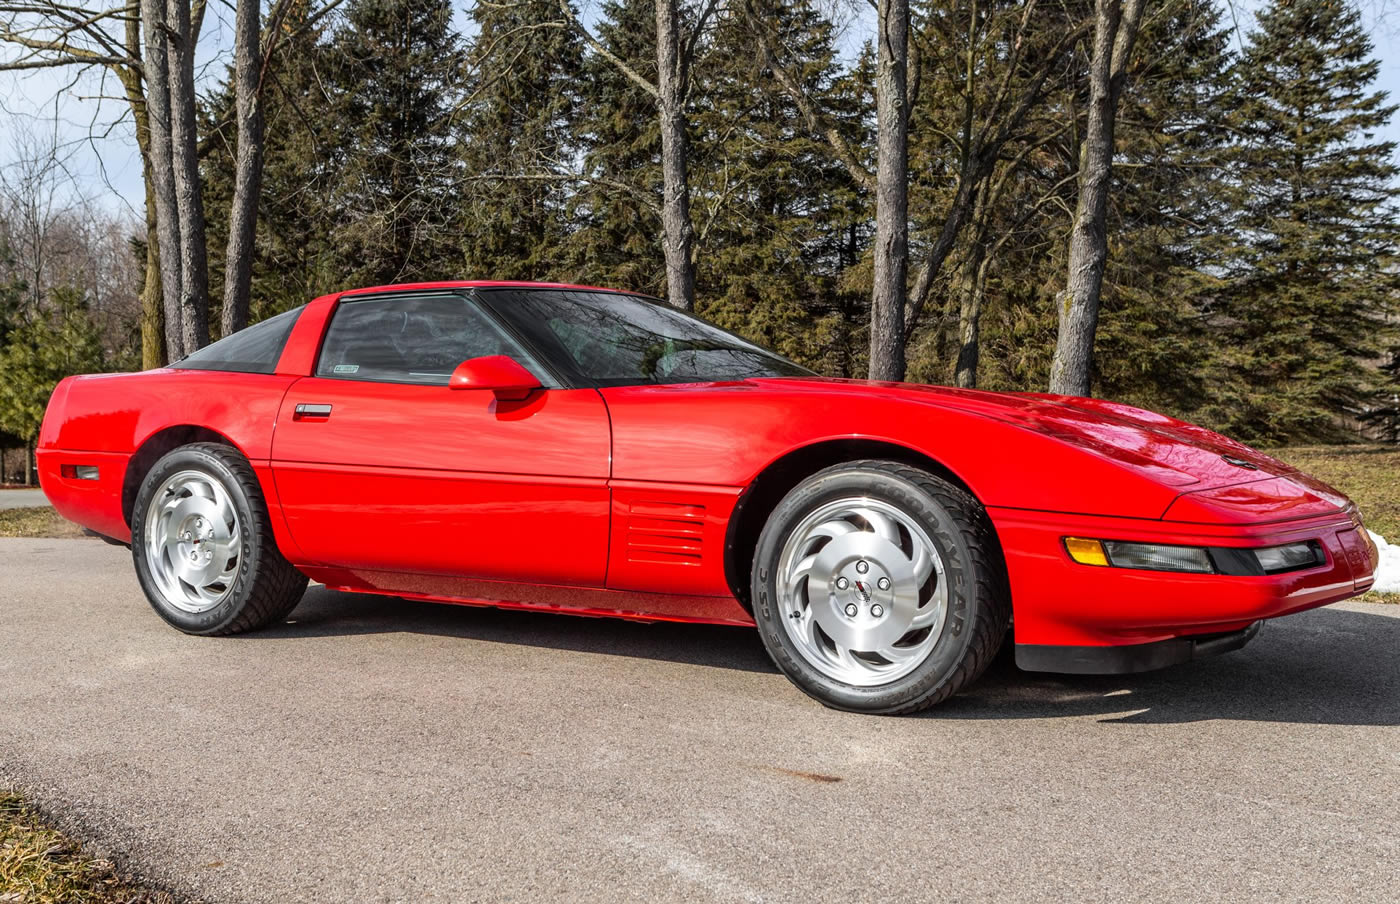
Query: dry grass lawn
[{"x": 38, "y": 865}]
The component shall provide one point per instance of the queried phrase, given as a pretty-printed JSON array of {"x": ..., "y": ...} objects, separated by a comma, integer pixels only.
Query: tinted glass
[
  {"x": 619, "y": 340},
  {"x": 411, "y": 339},
  {"x": 252, "y": 350}
]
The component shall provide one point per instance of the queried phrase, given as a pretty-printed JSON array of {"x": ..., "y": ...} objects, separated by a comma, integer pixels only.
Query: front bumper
[
  {"x": 1130, "y": 658},
  {"x": 1060, "y": 603}
]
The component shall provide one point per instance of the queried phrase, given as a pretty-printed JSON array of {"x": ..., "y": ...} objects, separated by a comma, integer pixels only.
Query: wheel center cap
[{"x": 853, "y": 610}]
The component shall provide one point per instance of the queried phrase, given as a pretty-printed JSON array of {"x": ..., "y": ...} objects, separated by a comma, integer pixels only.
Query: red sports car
[{"x": 596, "y": 452}]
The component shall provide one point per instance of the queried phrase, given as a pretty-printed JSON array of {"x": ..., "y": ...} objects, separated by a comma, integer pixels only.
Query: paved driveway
[
  {"x": 13, "y": 499},
  {"x": 380, "y": 750}
]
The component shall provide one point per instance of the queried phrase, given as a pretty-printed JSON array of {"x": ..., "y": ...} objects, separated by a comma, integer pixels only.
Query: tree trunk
[
  {"x": 970, "y": 315},
  {"x": 152, "y": 314},
  {"x": 243, "y": 217},
  {"x": 1115, "y": 30},
  {"x": 156, "y": 69},
  {"x": 184, "y": 152},
  {"x": 29, "y": 464},
  {"x": 679, "y": 234},
  {"x": 891, "y": 193}
]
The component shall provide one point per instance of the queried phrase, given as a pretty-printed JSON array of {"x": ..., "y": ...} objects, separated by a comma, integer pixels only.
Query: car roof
[{"x": 479, "y": 284}]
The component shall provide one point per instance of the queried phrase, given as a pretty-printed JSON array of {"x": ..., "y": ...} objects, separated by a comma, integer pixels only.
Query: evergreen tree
[
  {"x": 1313, "y": 270},
  {"x": 393, "y": 74},
  {"x": 617, "y": 207},
  {"x": 1167, "y": 208},
  {"x": 518, "y": 140},
  {"x": 772, "y": 208},
  {"x": 40, "y": 351}
]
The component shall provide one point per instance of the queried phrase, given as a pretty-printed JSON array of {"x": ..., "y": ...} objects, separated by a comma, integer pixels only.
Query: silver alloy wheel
[
  {"x": 194, "y": 544},
  {"x": 862, "y": 591}
]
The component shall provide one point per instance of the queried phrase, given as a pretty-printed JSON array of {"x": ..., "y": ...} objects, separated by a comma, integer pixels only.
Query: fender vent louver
[{"x": 665, "y": 533}]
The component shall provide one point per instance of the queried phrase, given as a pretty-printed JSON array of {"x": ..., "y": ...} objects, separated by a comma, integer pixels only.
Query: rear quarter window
[{"x": 254, "y": 350}]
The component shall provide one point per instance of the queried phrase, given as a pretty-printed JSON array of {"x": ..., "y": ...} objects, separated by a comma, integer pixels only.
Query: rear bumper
[
  {"x": 95, "y": 504},
  {"x": 1060, "y": 603},
  {"x": 1129, "y": 658}
]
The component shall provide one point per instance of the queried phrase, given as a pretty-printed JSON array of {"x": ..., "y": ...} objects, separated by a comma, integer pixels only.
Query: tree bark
[
  {"x": 184, "y": 152},
  {"x": 679, "y": 233},
  {"x": 1115, "y": 29},
  {"x": 243, "y": 217},
  {"x": 152, "y": 314},
  {"x": 891, "y": 193},
  {"x": 970, "y": 316},
  {"x": 156, "y": 69}
]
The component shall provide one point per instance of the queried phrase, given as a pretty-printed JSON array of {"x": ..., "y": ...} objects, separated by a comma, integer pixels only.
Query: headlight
[
  {"x": 1294, "y": 556},
  {"x": 1153, "y": 557},
  {"x": 1196, "y": 559}
]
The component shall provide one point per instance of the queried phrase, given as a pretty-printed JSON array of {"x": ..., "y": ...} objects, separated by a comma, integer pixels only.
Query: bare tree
[
  {"x": 247, "y": 184},
  {"x": 252, "y": 58},
  {"x": 1115, "y": 30},
  {"x": 676, "y": 47},
  {"x": 48, "y": 34},
  {"x": 891, "y": 191}
]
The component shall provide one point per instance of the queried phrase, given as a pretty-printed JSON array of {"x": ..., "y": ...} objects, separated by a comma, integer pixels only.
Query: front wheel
[
  {"x": 880, "y": 588},
  {"x": 202, "y": 543}
]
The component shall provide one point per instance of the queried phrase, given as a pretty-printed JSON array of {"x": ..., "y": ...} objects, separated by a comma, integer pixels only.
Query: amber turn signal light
[{"x": 1086, "y": 552}]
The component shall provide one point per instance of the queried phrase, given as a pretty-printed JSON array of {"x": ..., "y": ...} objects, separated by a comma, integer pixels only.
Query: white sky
[{"x": 84, "y": 114}]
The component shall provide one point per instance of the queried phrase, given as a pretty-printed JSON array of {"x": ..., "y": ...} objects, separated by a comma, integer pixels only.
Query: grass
[
  {"x": 40, "y": 521},
  {"x": 39, "y": 865},
  {"x": 1370, "y": 475}
]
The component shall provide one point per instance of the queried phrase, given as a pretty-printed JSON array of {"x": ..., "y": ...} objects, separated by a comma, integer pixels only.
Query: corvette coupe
[{"x": 596, "y": 452}]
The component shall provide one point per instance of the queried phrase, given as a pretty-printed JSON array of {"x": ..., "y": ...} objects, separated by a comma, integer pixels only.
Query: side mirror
[{"x": 501, "y": 374}]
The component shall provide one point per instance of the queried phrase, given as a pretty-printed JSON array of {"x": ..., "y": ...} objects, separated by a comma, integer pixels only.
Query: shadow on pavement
[
  {"x": 324, "y": 613},
  {"x": 1328, "y": 666}
]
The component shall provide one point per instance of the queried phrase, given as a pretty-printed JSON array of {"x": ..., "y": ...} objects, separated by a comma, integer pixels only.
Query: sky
[{"x": 83, "y": 115}]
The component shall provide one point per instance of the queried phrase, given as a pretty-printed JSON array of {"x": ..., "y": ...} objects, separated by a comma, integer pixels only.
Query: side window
[
  {"x": 254, "y": 350},
  {"x": 412, "y": 339}
]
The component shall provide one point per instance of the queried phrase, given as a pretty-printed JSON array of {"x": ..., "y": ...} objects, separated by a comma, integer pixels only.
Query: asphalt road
[
  {"x": 380, "y": 750},
  {"x": 13, "y": 499}
]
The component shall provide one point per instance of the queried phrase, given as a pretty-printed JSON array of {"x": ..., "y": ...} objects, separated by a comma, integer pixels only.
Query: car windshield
[{"x": 609, "y": 339}]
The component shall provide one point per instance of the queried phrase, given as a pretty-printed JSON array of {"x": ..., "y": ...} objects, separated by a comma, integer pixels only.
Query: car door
[{"x": 380, "y": 466}]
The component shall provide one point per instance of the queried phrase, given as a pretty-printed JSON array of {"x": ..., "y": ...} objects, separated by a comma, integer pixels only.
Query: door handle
[{"x": 306, "y": 412}]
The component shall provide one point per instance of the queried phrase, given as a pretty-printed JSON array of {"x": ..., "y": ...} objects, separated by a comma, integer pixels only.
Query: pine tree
[
  {"x": 617, "y": 207},
  {"x": 50, "y": 345},
  {"x": 772, "y": 208},
  {"x": 1313, "y": 271},
  {"x": 518, "y": 141},
  {"x": 393, "y": 68},
  {"x": 1153, "y": 349}
]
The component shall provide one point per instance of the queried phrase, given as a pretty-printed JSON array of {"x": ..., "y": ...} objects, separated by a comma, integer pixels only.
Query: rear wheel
[
  {"x": 202, "y": 543},
  {"x": 880, "y": 588}
]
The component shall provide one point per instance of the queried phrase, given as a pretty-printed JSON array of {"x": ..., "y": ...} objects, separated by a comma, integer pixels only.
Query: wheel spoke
[
  {"x": 801, "y": 570},
  {"x": 899, "y": 655},
  {"x": 923, "y": 564},
  {"x": 832, "y": 529},
  {"x": 881, "y": 523}
]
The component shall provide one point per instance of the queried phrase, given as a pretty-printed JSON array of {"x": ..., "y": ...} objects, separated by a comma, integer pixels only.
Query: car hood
[{"x": 1198, "y": 463}]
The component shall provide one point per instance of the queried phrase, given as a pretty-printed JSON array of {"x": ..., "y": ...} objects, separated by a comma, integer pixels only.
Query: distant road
[
  {"x": 377, "y": 750},
  {"x": 13, "y": 499}
]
